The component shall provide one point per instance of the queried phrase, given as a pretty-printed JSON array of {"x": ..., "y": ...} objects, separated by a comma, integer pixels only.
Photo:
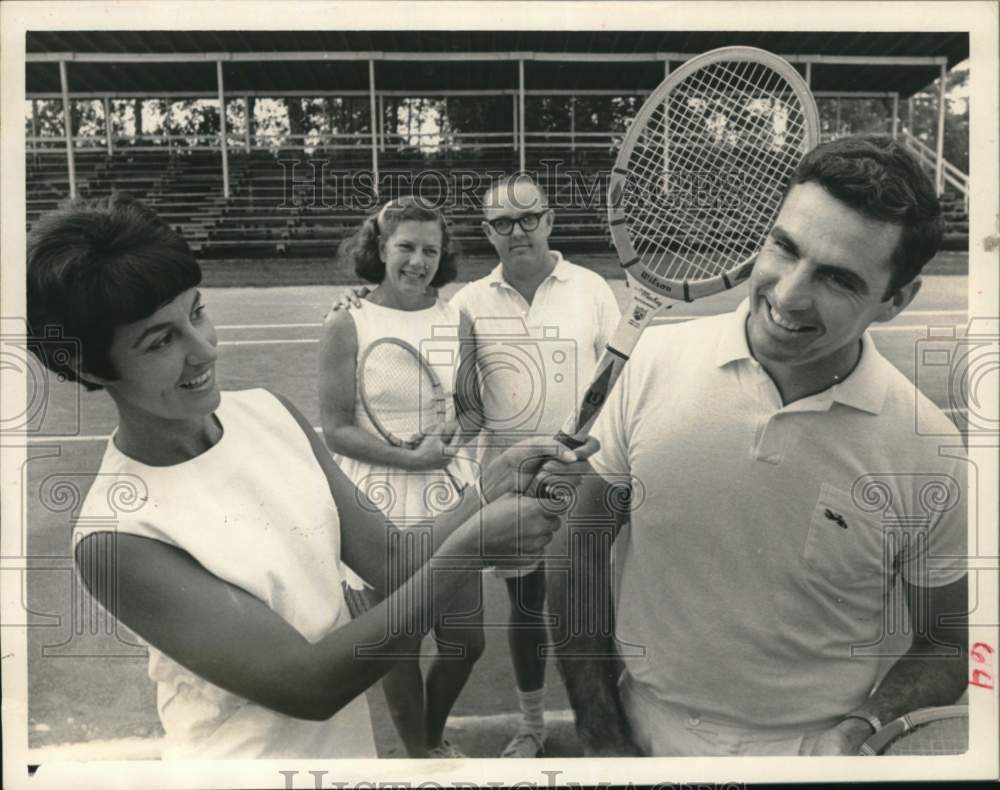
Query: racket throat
[{"x": 642, "y": 308}]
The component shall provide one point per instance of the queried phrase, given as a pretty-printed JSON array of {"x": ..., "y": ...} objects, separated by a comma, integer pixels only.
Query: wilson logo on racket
[
  {"x": 597, "y": 393},
  {"x": 836, "y": 518}
]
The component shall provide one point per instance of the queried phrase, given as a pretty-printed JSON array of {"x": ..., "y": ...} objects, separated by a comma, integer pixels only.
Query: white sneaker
[
  {"x": 447, "y": 750},
  {"x": 525, "y": 745}
]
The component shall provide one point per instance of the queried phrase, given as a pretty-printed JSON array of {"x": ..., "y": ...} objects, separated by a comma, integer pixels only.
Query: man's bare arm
[
  {"x": 579, "y": 578},
  {"x": 934, "y": 671}
]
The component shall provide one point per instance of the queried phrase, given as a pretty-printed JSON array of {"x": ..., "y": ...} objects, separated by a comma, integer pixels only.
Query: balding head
[
  {"x": 518, "y": 193},
  {"x": 518, "y": 222}
]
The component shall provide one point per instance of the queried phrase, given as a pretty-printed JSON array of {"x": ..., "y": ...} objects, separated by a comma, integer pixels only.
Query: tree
[{"x": 923, "y": 124}]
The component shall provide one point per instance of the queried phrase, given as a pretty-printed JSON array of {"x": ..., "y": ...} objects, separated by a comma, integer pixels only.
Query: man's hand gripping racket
[{"x": 696, "y": 186}]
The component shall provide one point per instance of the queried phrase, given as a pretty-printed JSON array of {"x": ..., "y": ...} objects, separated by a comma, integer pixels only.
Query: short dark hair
[
  {"x": 95, "y": 265},
  {"x": 360, "y": 249},
  {"x": 882, "y": 180}
]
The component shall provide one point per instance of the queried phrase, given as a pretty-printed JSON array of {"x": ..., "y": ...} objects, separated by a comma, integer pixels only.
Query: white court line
[
  {"x": 907, "y": 314},
  {"x": 874, "y": 328},
  {"x": 669, "y": 319}
]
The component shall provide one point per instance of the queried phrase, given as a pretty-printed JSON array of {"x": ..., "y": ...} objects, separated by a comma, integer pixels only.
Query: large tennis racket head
[
  {"x": 400, "y": 392},
  {"x": 703, "y": 167},
  {"x": 928, "y": 731}
]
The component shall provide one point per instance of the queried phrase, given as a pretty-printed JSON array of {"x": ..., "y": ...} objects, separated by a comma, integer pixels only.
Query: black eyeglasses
[{"x": 505, "y": 225}]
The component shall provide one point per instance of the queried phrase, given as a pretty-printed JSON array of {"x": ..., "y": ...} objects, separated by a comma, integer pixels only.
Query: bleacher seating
[
  {"x": 956, "y": 221},
  {"x": 276, "y": 209}
]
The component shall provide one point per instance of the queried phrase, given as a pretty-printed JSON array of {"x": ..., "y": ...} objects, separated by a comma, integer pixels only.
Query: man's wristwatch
[{"x": 872, "y": 720}]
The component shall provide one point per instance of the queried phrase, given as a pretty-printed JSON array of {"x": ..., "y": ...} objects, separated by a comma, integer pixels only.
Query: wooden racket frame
[
  {"x": 897, "y": 728},
  {"x": 689, "y": 290},
  {"x": 437, "y": 398},
  {"x": 648, "y": 291}
]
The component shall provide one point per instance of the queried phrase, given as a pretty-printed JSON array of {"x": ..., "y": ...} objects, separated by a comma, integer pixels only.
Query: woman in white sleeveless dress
[
  {"x": 405, "y": 248},
  {"x": 219, "y": 529}
]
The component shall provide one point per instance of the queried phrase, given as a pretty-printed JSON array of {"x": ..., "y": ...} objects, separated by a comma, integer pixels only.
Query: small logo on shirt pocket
[
  {"x": 836, "y": 518},
  {"x": 841, "y": 544}
]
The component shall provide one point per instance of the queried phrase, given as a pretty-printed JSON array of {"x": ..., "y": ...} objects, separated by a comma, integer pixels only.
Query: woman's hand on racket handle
[
  {"x": 511, "y": 531},
  {"x": 434, "y": 451},
  {"x": 520, "y": 467}
]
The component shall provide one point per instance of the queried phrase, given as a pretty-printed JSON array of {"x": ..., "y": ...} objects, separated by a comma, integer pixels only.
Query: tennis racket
[
  {"x": 695, "y": 189},
  {"x": 401, "y": 394},
  {"x": 943, "y": 730}
]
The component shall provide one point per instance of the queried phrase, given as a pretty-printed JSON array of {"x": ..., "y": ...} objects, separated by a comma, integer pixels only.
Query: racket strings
[
  {"x": 728, "y": 228},
  {"x": 707, "y": 173},
  {"x": 724, "y": 106},
  {"x": 398, "y": 392},
  {"x": 941, "y": 736}
]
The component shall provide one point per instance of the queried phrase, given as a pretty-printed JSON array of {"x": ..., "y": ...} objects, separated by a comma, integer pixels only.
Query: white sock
[{"x": 532, "y": 710}]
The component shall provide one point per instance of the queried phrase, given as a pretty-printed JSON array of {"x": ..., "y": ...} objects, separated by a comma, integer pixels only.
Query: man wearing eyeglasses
[{"x": 540, "y": 325}]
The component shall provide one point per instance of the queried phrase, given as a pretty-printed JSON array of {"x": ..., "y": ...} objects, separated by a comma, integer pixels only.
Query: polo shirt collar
[
  {"x": 733, "y": 339},
  {"x": 560, "y": 272},
  {"x": 864, "y": 389}
]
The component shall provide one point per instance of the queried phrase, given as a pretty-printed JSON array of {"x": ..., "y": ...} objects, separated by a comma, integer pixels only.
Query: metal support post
[
  {"x": 939, "y": 159},
  {"x": 68, "y": 128},
  {"x": 107, "y": 126},
  {"x": 520, "y": 103},
  {"x": 222, "y": 129},
  {"x": 373, "y": 124}
]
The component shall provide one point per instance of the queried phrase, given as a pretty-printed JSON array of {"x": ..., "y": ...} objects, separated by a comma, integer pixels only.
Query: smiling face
[
  {"x": 166, "y": 363},
  {"x": 523, "y": 252},
  {"x": 818, "y": 282},
  {"x": 411, "y": 256}
]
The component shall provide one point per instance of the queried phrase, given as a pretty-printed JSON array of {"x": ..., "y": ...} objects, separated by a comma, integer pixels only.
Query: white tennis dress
[
  {"x": 255, "y": 510},
  {"x": 408, "y": 497}
]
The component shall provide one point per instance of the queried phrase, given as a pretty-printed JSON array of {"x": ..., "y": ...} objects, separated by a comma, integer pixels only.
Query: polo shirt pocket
[{"x": 844, "y": 544}]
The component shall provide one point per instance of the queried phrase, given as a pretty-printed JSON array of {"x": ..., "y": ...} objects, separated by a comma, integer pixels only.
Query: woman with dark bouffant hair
[
  {"x": 406, "y": 249},
  {"x": 218, "y": 528}
]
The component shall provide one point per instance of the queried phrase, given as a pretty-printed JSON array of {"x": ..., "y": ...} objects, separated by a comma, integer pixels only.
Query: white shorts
[{"x": 662, "y": 730}]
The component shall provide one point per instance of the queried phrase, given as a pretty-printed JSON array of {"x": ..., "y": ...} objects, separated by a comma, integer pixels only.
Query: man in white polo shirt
[
  {"x": 781, "y": 494},
  {"x": 540, "y": 325}
]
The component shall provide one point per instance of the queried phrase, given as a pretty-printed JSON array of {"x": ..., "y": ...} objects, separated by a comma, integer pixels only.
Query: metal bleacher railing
[
  {"x": 953, "y": 177},
  {"x": 280, "y": 200}
]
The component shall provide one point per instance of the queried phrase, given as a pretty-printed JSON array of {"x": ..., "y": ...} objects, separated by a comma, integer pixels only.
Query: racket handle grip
[
  {"x": 576, "y": 430},
  {"x": 569, "y": 442},
  {"x": 544, "y": 491}
]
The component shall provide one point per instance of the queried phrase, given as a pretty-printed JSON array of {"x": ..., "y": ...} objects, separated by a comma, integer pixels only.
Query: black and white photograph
[{"x": 442, "y": 394}]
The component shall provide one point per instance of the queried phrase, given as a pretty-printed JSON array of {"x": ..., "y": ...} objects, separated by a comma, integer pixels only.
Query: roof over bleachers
[{"x": 405, "y": 59}]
